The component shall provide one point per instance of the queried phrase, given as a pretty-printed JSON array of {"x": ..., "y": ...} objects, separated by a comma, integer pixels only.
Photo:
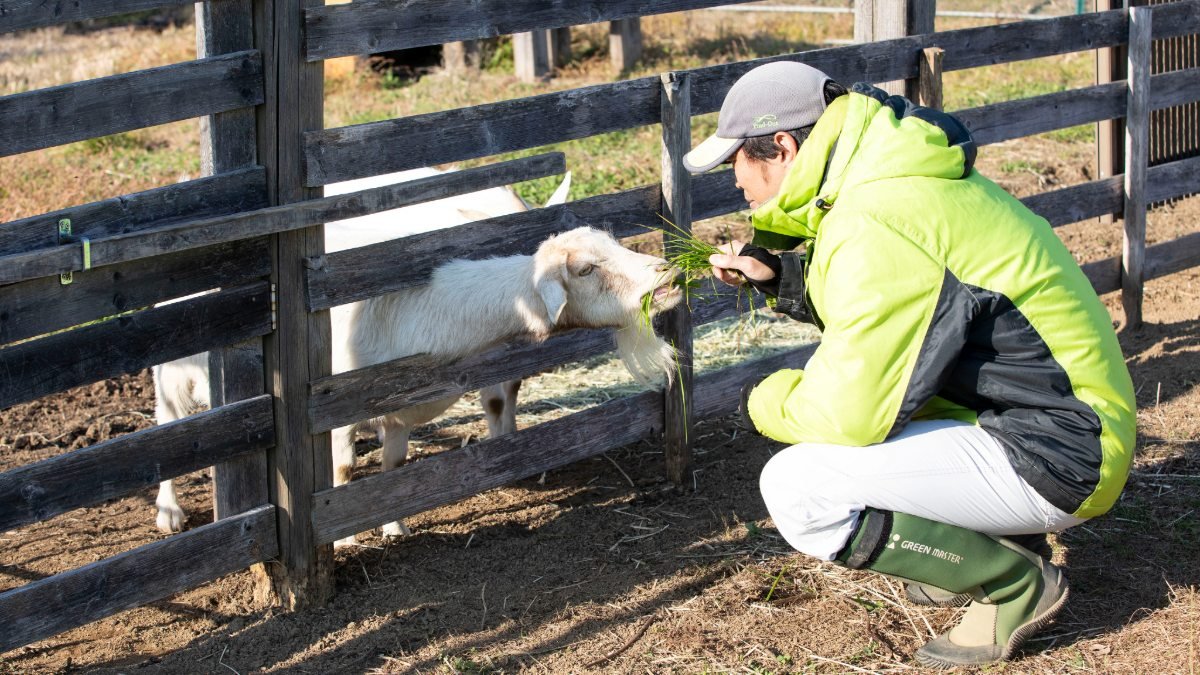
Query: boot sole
[{"x": 1015, "y": 641}]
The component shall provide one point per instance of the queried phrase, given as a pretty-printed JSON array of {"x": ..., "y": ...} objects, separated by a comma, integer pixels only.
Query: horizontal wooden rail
[
  {"x": 450, "y": 476},
  {"x": 457, "y": 474},
  {"x": 1161, "y": 259},
  {"x": 29, "y": 370},
  {"x": 52, "y": 605},
  {"x": 222, "y": 194},
  {"x": 41, "y": 306},
  {"x": 719, "y": 392},
  {"x": 477, "y": 131},
  {"x": 383, "y": 25},
  {"x": 108, "y": 105},
  {"x": 1039, "y": 114},
  {"x": 181, "y": 236},
  {"x": 116, "y": 467},
  {"x": 355, "y": 395},
  {"x": 25, "y": 14},
  {"x": 347, "y": 276},
  {"x": 351, "y": 152}
]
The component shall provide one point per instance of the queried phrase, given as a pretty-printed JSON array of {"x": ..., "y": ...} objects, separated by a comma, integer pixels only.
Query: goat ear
[{"x": 551, "y": 288}]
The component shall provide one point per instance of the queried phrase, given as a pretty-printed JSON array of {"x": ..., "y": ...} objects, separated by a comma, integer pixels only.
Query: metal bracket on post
[{"x": 65, "y": 236}]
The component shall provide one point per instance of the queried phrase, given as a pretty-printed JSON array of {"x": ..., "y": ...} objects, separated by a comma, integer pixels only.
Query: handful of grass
[{"x": 683, "y": 251}]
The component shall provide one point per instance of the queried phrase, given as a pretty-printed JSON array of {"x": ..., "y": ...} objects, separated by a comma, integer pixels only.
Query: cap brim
[{"x": 711, "y": 152}]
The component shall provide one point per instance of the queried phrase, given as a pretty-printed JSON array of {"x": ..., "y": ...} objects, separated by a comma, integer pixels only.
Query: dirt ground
[{"x": 606, "y": 568}]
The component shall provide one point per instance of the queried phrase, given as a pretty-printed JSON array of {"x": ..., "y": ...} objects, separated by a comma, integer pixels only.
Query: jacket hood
[{"x": 864, "y": 136}]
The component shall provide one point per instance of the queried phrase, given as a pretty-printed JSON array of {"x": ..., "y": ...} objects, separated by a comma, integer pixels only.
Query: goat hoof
[
  {"x": 346, "y": 543},
  {"x": 396, "y": 530},
  {"x": 170, "y": 519}
]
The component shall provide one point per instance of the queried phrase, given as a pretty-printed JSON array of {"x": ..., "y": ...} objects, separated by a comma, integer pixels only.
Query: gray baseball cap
[{"x": 778, "y": 96}]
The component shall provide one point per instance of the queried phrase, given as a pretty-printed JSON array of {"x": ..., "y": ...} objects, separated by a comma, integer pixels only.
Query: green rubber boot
[
  {"x": 1014, "y": 592},
  {"x": 931, "y": 596}
]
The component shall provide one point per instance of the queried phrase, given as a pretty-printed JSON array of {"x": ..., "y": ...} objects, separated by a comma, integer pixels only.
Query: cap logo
[{"x": 765, "y": 121}]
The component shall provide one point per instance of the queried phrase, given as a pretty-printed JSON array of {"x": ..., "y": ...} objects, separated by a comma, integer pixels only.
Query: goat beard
[{"x": 647, "y": 357}]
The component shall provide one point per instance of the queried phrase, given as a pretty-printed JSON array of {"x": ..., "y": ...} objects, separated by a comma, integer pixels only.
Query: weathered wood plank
[
  {"x": 719, "y": 393},
  {"x": 116, "y": 467},
  {"x": 241, "y": 190},
  {"x": 467, "y": 133},
  {"x": 356, "y": 274},
  {"x": 1039, "y": 114},
  {"x": 229, "y": 141},
  {"x": 450, "y": 476},
  {"x": 1162, "y": 259},
  {"x": 148, "y": 573},
  {"x": 299, "y": 350},
  {"x": 1078, "y": 202},
  {"x": 40, "y": 306},
  {"x": 179, "y": 236},
  {"x": 929, "y": 80},
  {"x": 454, "y": 475},
  {"x": 348, "y": 397},
  {"x": 385, "y": 25},
  {"x": 348, "y": 276},
  {"x": 1137, "y": 157},
  {"x": 367, "y": 392},
  {"x": 127, "y": 344},
  {"x": 351, "y": 152},
  {"x": 676, "y": 207},
  {"x": 25, "y": 14},
  {"x": 108, "y": 105}
]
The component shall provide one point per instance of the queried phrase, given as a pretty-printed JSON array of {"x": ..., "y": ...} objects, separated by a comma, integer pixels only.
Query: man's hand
[{"x": 728, "y": 263}]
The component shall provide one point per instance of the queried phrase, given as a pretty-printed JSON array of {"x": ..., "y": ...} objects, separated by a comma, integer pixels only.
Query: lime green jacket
[{"x": 941, "y": 296}]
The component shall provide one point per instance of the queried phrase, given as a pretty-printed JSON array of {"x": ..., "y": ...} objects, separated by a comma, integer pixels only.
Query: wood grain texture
[
  {"x": 179, "y": 236},
  {"x": 25, "y": 14},
  {"x": 241, "y": 190},
  {"x": 355, "y": 395},
  {"x": 114, "y": 468},
  {"x": 676, "y": 207},
  {"x": 1161, "y": 259},
  {"x": 1137, "y": 159},
  {"x": 385, "y": 25},
  {"x": 39, "y": 306},
  {"x": 127, "y": 580},
  {"x": 127, "y": 344},
  {"x": 109, "y": 105},
  {"x": 299, "y": 350},
  {"x": 356, "y": 151},
  {"x": 450, "y": 476}
]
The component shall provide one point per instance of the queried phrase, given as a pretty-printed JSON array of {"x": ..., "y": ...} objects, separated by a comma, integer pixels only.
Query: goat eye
[{"x": 585, "y": 270}]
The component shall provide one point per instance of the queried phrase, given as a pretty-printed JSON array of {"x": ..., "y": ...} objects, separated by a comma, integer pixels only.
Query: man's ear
[
  {"x": 550, "y": 283},
  {"x": 789, "y": 147}
]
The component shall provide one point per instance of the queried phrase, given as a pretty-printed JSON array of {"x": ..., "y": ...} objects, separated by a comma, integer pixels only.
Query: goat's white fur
[{"x": 581, "y": 278}]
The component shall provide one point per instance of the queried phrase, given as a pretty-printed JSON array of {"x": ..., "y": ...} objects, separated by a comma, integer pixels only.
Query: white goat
[{"x": 581, "y": 278}]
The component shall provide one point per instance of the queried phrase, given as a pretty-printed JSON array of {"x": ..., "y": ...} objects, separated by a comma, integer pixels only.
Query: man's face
[{"x": 760, "y": 180}]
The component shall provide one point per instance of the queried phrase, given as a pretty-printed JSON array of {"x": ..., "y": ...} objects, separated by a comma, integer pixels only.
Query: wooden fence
[{"x": 254, "y": 229}]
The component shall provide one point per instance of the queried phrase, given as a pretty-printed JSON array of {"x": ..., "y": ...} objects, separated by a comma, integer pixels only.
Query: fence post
[
  {"x": 677, "y": 329},
  {"x": 929, "y": 81},
  {"x": 625, "y": 43},
  {"x": 227, "y": 142},
  {"x": 1137, "y": 141},
  {"x": 461, "y": 56},
  {"x": 531, "y": 55},
  {"x": 876, "y": 20},
  {"x": 299, "y": 350}
]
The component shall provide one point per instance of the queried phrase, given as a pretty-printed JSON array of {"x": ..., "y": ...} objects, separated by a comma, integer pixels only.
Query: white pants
[{"x": 943, "y": 470}]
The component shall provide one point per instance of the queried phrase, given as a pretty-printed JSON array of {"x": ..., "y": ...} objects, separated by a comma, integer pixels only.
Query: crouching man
[{"x": 968, "y": 395}]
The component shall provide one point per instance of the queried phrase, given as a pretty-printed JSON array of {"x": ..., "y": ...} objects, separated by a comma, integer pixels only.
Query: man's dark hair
[{"x": 762, "y": 148}]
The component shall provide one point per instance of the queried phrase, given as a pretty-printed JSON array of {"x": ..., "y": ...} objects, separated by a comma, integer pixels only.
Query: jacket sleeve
[{"x": 876, "y": 291}]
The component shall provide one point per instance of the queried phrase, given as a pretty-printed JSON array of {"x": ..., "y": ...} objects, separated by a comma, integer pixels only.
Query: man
[{"x": 968, "y": 395}]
